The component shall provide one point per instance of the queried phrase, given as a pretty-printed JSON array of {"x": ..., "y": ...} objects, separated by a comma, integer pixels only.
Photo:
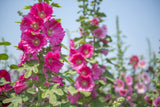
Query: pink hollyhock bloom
[
  {"x": 35, "y": 78},
  {"x": 147, "y": 99},
  {"x": 33, "y": 43},
  {"x": 34, "y": 57},
  {"x": 141, "y": 89},
  {"x": 96, "y": 71},
  {"x": 84, "y": 71},
  {"x": 77, "y": 60},
  {"x": 47, "y": 84},
  {"x": 129, "y": 80},
  {"x": 42, "y": 10},
  {"x": 54, "y": 31},
  {"x": 84, "y": 83},
  {"x": 4, "y": 74},
  {"x": 52, "y": 61},
  {"x": 145, "y": 77},
  {"x": 123, "y": 92},
  {"x": 100, "y": 32},
  {"x": 129, "y": 98},
  {"x": 108, "y": 98},
  {"x": 119, "y": 85},
  {"x": 134, "y": 61},
  {"x": 20, "y": 87},
  {"x": 73, "y": 98},
  {"x": 86, "y": 50},
  {"x": 122, "y": 74},
  {"x": 130, "y": 89},
  {"x": 93, "y": 92},
  {"x": 103, "y": 68},
  {"x": 105, "y": 52},
  {"x": 131, "y": 104},
  {"x": 95, "y": 21},
  {"x": 105, "y": 41},
  {"x": 142, "y": 64},
  {"x": 156, "y": 102},
  {"x": 72, "y": 48},
  {"x": 31, "y": 24},
  {"x": 58, "y": 79}
]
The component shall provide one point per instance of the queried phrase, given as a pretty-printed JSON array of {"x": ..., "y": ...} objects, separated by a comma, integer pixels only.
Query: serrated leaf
[
  {"x": 13, "y": 66},
  {"x": 91, "y": 60},
  {"x": 3, "y": 81},
  {"x": 86, "y": 94},
  {"x": 52, "y": 98},
  {"x": 28, "y": 73},
  {"x": 45, "y": 93},
  {"x": 72, "y": 90},
  {"x": 5, "y": 43},
  {"x": 58, "y": 92},
  {"x": 3, "y": 56},
  {"x": 27, "y": 7}
]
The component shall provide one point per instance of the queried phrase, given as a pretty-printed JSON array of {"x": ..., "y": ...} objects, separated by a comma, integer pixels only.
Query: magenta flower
[
  {"x": 72, "y": 48},
  {"x": 93, "y": 92},
  {"x": 54, "y": 31},
  {"x": 84, "y": 71},
  {"x": 129, "y": 80},
  {"x": 77, "y": 60},
  {"x": 148, "y": 99},
  {"x": 86, "y": 50},
  {"x": 108, "y": 98},
  {"x": 134, "y": 61},
  {"x": 105, "y": 52},
  {"x": 119, "y": 85},
  {"x": 42, "y": 11},
  {"x": 95, "y": 21},
  {"x": 141, "y": 89},
  {"x": 33, "y": 43},
  {"x": 100, "y": 32},
  {"x": 31, "y": 24},
  {"x": 84, "y": 83},
  {"x": 73, "y": 98},
  {"x": 156, "y": 102},
  {"x": 52, "y": 61},
  {"x": 145, "y": 77},
  {"x": 96, "y": 71},
  {"x": 123, "y": 92},
  {"x": 56, "y": 48},
  {"x": 58, "y": 79},
  {"x": 142, "y": 64}
]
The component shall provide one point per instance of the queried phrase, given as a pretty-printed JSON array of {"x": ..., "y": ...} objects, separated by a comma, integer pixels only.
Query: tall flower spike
[
  {"x": 54, "y": 31},
  {"x": 100, "y": 32}
]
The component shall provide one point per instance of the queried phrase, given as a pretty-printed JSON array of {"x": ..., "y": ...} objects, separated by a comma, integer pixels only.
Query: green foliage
[
  {"x": 55, "y": 5},
  {"x": 3, "y": 81},
  {"x": 27, "y": 7},
  {"x": 3, "y": 56},
  {"x": 5, "y": 43}
]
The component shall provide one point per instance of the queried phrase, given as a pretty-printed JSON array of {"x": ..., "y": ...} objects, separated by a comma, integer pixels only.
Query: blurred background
[{"x": 138, "y": 20}]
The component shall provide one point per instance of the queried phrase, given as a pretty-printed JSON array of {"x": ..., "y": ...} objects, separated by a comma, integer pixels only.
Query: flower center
[
  {"x": 79, "y": 61},
  {"x": 84, "y": 72},
  {"x": 86, "y": 52},
  {"x": 84, "y": 83},
  {"x": 42, "y": 14},
  {"x": 36, "y": 42},
  {"x": 35, "y": 26},
  {"x": 49, "y": 32},
  {"x": 119, "y": 84}
]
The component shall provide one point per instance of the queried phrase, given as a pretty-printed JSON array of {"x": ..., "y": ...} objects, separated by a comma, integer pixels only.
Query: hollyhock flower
[
  {"x": 142, "y": 64},
  {"x": 42, "y": 10},
  {"x": 4, "y": 74},
  {"x": 31, "y": 24},
  {"x": 100, "y": 32},
  {"x": 84, "y": 71},
  {"x": 34, "y": 57},
  {"x": 129, "y": 80},
  {"x": 123, "y": 92},
  {"x": 105, "y": 41},
  {"x": 35, "y": 78},
  {"x": 105, "y": 52},
  {"x": 96, "y": 71},
  {"x": 84, "y": 83},
  {"x": 134, "y": 61},
  {"x": 72, "y": 48},
  {"x": 56, "y": 48},
  {"x": 86, "y": 50},
  {"x": 93, "y": 92},
  {"x": 140, "y": 88},
  {"x": 156, "y": 102},
  {"x": 52, "y": 61},
  {"x": 108, "y": 98},
  {"x": 33, "y": 43},
  {"x": 54, "y": 31},
  {"x": 119, "y": 85},
  {"x": 129, "y": 98},
  {"x": 77, "y": 60},
  {"x": 147, "y": 99},
  {"x": 58, "y": 79},
  {"x": 130, "y": 90},
  {"x": 95, "y": 21},
  {"x": 47, "y": 84},
  {"x": 73, "y": 98},
  {"x": 20, "y": 87},
  {"x": 145, "y": 77}
]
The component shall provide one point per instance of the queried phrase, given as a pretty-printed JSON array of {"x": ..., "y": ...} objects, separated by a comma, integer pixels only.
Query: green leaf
[
  {"x": 13, "y": 66},
  {"x": 55, "y": 5},
  {"x": 18, "y": 21},
  {"x": 86, "y": 94},
  {"x": 109, "y": 76},
  {"x": 27, "y": 7},
  {"x": 45, "y": 93},
  {"x": 58, "y": 92},
  {"x": 96, "y": 103},
  {"x": 71, "y": 72},
  {"x": 72, "y": 90},
  {"x": 5, "y": 43},
  {"x": 58, "y": 20},
  {"x": 66, "y": 104},
  {"x": 31, "y": 90},
  {"x": 3, "y": 81},
  {"x": 77, "y": 39},
  {"x": 28, "y": 73},
  {"x": 102, "y": 82},
  {"x": 52, "y": 98},
  {"x": 91, "y": 60},
  {"x": 70, "y": 79},
  {"x": 64, "y": 46},
  {"x": 3, "y": 56}
]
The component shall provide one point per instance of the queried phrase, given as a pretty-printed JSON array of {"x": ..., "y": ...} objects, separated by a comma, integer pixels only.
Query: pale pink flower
[
  {"x": 52, "y": 61},
  {"x": 156, "y": 102},
  {"x": 31, "y": 24},
  {"x": 147, "y": 99},
  {"x": 119, "y": 85},
  {"x": 95, "y": 21},
  {"x": 86, "y": 50},
  {"x": 54, "y": 31},
  {"x": 142, "y": 64},
  {"x": 77, "y": 61},
  {"x": 84, "y": 83},
  {"x": 130, "y": 90},
  {"x": 108, "y": 98},
  {"x": 145, "y": 77},
  {"x": 134, "y": 61},
  {"x": 73, "y": 98},
  {"x": 57, "y": 79},
  {"x": 123, "y": 92},
  {"x": 100, "y": 32},
  {"x": 105, "y": 51},
  {"x": 42, "y": 10},
  {"x": 84, "y": 71},
  {"x": 141, "y": 89},
  {"x": 72, "y": 48},
  {"x": 128, "y": 80},
  {"x": 129, "y": 98},
  {"x": 96, "y": 71}
]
